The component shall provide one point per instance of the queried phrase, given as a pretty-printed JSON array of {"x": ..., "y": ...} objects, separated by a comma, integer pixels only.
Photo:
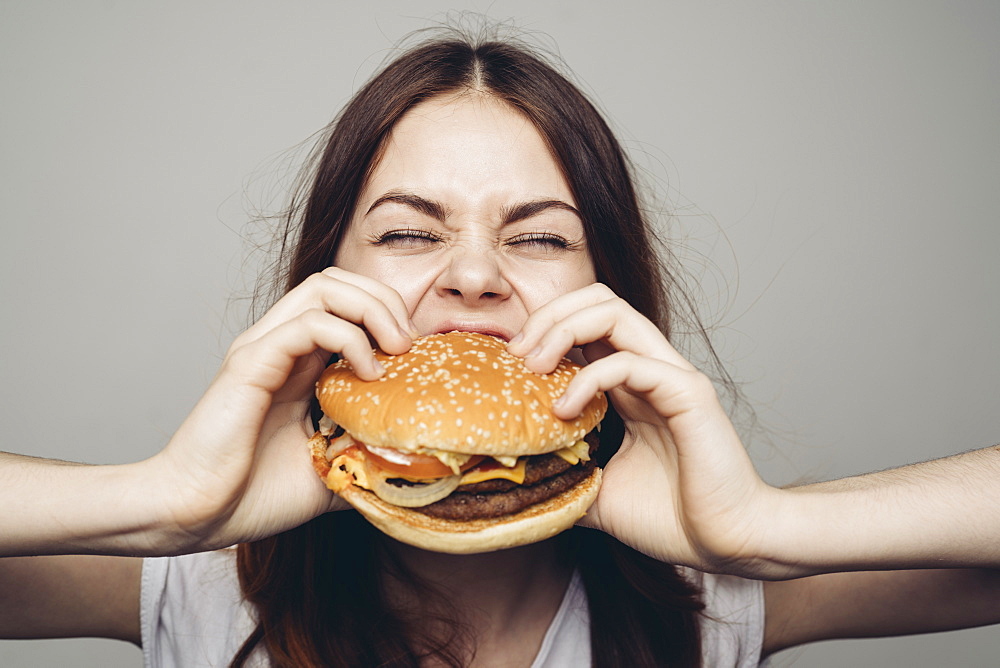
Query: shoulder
[
  {"x": 192, "y": 611},
  {"x": 733, "y": 620}
]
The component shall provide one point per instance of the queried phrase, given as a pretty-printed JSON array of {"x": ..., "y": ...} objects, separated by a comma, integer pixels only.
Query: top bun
[{"x": 461, "y": 392}]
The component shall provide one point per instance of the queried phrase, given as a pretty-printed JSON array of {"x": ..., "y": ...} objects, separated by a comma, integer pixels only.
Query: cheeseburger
[{"x": 455, "y": 448}]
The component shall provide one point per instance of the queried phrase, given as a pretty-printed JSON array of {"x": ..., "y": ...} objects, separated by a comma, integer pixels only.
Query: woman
[{"x": 473, "y": 188}]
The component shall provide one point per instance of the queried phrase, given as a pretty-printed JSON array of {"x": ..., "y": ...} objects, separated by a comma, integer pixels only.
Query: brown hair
[{"x": 320, "y": 601}]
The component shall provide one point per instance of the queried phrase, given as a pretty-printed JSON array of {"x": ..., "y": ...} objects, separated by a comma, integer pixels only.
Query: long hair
[{"x": 320, "y": 601}]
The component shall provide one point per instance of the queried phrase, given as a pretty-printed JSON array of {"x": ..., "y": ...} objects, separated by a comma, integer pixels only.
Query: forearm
[
  {"x": 70, "y": 596},
  {"x": 878, "y": 603},
  {"x": 54, "y": 507},
  {"x": 942, "y": 513}
]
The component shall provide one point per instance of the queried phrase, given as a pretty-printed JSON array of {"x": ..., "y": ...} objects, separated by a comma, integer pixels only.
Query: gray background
[{"x": 834, "y": 170}]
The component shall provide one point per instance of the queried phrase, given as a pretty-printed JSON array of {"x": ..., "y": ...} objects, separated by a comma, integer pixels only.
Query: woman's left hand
[{"x": 682, "y": 488}]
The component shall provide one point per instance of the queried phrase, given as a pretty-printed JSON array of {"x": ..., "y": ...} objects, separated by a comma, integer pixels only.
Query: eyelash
[
  {"x": 389, "y": 236},
  {"x": 406, "y": 235},
  {"x": 539, "y": 238}
]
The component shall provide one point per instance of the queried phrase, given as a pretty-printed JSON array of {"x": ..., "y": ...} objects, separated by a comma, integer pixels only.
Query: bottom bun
[{"x": 534, "y": 523}]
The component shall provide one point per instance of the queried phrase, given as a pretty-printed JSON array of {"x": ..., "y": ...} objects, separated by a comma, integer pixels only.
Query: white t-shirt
[{"x": 193, "y": 616}]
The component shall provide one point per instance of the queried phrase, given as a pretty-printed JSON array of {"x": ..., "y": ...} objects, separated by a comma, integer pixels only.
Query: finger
[
  {"x": 613, "y": 323},
  {"x": 360, "y": 300},
  {"x": 267, "y": 362},
  {"x": 575, "y": 322},
  {"x": 386, "y": 295},
  {"x": 346, "y": 295},
  {"x": 542, "y": 319},
  {"x": 670, "y": 389}
]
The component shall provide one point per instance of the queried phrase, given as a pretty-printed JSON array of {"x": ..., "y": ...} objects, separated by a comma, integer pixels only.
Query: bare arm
[
  {"x": 880, "y": 603},
  {"x": 70, "y": 596},
  {"x": 942, "y": 513},
  {"x": 933, "y": 515},
  {"x": 53, "y": 507}
]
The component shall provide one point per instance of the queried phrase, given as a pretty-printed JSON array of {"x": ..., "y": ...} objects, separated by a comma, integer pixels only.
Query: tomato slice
[{"x": 411, "y": 464}]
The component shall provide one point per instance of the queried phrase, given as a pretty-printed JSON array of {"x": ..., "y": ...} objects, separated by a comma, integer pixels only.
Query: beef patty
[{"x": 545, "y": 476}]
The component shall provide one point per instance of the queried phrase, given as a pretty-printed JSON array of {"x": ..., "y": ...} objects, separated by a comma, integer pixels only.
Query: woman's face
[{"x": 469, "y": 218}]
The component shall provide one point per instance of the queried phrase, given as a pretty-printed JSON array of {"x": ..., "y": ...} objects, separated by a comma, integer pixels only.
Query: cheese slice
[
  {"x": 514, "y": 473},
  {"x": 349, "y": 468},
  {"x": 575, "y": 453}
]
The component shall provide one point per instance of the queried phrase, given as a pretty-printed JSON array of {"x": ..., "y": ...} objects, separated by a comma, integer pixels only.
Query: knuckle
[
  {"x": 601, "y": 289},
  {"x": 316, "y": 318},
  {"x": 612, "y": 307},
  {"x": 561, "y": 330},
  {"x": 630, "y": 357},
  {"x": 701, "y": 384},
  {"x": 332, "y": 272},
  {"x": 620, "y": 358},
  {"x": 242, "y": 339},
  {"x": 313, "y": 282},
  {"x": 311, "y": 316},
  {"x": 239, "y": 358}
]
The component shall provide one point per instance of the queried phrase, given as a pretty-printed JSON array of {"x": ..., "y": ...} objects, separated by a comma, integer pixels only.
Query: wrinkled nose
[{"x": 474, "y": 276}]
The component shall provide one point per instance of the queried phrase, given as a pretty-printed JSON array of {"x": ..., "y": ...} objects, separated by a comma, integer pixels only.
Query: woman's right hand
[{"x": 238, "y": 468}]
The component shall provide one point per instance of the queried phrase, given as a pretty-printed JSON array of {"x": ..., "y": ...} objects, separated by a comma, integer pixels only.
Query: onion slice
[
  {"x": 413, "y": 495},
  {"x": 338, "y": 445}
]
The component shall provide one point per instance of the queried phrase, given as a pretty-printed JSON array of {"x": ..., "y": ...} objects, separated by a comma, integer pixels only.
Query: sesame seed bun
[{"x": 461, "y": 392}]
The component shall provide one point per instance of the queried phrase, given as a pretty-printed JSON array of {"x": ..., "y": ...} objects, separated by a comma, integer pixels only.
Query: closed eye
[
  {"x": 540, "y": 240},
  {"x": 405, "y": 238}
]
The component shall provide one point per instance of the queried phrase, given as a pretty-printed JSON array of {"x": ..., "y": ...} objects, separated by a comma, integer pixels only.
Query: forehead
[{"x": 464, "y": 145}]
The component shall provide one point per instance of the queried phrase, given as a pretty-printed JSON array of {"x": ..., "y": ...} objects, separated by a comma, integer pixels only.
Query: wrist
[{"x": 771, "y": 547}]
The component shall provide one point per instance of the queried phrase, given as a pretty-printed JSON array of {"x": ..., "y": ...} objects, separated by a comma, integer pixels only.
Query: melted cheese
[
  {"x": 514, "y": 473},
  {"x": 506, "y": 460},
  {"x": 346, "y": 470},
  {"x": 350, "y": 468},
  {"x": 576, "y": 453},
  {"x": 452, "y": 460}
]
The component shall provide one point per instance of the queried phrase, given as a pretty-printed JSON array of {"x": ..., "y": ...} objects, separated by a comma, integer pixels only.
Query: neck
[{"x": 506, "y": 599}]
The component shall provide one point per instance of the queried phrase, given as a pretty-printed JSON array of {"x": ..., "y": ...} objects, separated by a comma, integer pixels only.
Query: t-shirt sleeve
[
  {"x": 153, "y": 582},
  {"x": 192, "y": 612},
  {"x": 733, "y": 620}
]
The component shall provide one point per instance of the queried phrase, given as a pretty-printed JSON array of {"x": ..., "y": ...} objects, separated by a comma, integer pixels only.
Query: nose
[{"x": 474, "y": 276}]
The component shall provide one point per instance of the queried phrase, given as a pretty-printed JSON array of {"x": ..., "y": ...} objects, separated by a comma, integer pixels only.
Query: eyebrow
[
  {"x": 528, "y": 209},
  {"x": 508, "y": 214},
  {"x": 421, "y": 204}
]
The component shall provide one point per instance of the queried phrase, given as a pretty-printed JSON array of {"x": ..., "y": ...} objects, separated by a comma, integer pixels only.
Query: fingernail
[
  {"x": 534, "y": 353},
  {"x": 517, "y": 339},
  {"x": 377, "y": 366},
  {"x": 558, "y": 403}
]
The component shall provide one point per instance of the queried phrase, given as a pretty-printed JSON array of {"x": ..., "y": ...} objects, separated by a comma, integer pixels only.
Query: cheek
[
  {"x": 409, "y": 286},
  {"x": 543, "y": 284},
  {"x": 412, "y": 280}
]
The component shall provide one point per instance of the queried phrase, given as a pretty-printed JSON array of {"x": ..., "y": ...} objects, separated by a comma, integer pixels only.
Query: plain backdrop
[{"x": 832, "y": 170}]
